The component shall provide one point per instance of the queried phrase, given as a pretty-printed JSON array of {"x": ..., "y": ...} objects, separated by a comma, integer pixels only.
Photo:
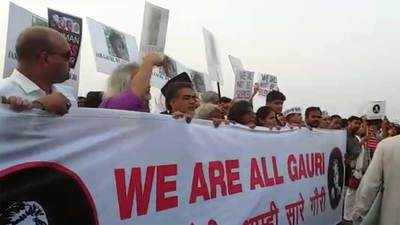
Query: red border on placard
[{"x": 60, "y": 168}]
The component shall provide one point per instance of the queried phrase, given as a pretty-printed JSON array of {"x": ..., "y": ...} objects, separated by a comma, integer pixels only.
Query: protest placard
[
  {"x": 243, "y": 85},
  {"x": 376, "y": 110},
  {"x": 71, "y": 27},
  {"x": 111, "y": 47},
  {"x": 267, "y": 83},
  {"x": 154, "y": 30},
  {"x": 212, "y": 55},
  {"x": 236, "y": 64}
]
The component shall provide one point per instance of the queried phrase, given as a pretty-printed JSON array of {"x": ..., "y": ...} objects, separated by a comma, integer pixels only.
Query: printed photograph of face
[
  {"x": 116, "y": 43},
  {"x": 153, "y": 26},
  {"x": 65, "y": 24}
]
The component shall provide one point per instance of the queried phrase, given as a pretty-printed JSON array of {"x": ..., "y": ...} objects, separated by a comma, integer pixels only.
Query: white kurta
[{"x": 384, "y": 168}]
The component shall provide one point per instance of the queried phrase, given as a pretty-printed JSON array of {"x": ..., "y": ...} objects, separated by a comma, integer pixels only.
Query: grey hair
[
  {"x": 210, "y": 97},
  {"x": 120, "y": 79},
  {"x": 204, "y": 111}
]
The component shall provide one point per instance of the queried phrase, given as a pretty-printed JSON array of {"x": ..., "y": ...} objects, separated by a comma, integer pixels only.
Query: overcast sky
[{"x": 334, "y": 54}]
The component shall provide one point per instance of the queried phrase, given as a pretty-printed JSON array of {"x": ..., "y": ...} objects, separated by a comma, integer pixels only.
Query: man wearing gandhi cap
[{"x": 293, "y": 117}]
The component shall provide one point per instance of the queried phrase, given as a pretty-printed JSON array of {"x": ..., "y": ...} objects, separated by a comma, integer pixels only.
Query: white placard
[
  {"x": 267, "y": 83},
  {"x": 376, "y": 110},
  {"x": 111, "y": 47},
  {"x": 154, "y": 30},
  {"x": 236, "y": 64},
  {"x": 212, "y": 55},
  {"x": 243, "y": 85}
]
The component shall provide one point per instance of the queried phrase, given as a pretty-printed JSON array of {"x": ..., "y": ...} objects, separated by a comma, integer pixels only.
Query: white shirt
[{"x": 20, "y": 86}]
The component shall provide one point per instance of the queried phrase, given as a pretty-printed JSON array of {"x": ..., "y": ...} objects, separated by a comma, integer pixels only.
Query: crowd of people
[{"x": 43, "y": 56}]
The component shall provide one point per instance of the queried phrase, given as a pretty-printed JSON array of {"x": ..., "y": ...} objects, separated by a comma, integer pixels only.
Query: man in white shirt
[{"x": 43, "y": 62}]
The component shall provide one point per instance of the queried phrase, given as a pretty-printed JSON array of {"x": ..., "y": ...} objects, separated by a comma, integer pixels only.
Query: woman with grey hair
[
  {"x": 210, "y": 97},
  {"x": 132, "y": 93},
  {"x": 120, "y": 79},
  {"x": 208, "y": 111}
]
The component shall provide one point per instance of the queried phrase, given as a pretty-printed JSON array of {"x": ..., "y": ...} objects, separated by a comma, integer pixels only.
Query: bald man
[{"x": 43, "y": 61}]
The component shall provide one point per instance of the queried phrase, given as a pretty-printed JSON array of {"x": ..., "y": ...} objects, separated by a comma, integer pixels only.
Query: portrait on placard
[
  {"x": 116, "y": 43},
  {"x": 154, "y": 26}
]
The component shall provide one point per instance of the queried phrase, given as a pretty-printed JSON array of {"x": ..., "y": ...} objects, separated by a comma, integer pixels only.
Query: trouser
[{"x": 349, "y": 202}]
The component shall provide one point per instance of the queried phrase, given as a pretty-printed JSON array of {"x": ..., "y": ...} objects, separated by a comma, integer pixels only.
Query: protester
[
  {"x": 353, "y": 150},
  {"x": 325, "y": 120},
  {"x": 293, "y": 117},
  {"x": 81, "y": 101},
  {"x": 136, "y": 97},
  {"x": 275, "y": 100},
  {"x": 210, "y": 97},
  {"x": 120, "y": 79},
  {"x": 265, "y": 117},
  {"x": 380, "y": 183},
  {"x": 313, "y": 117},
  {"x": 43, "y": 62},
  {"x": 93, "y": 99},
  {"x": 393, "y": 131},
  {"x": 335, "y": 122},
  {"x": 242, "y": 112},
  {"x": 180, "y": 95},
  {"x": 225, "y": 104},
  {"x": 281, "y": 119},
  {"x": 344, "y": 123},
  {"x": 208, "y": 111}
]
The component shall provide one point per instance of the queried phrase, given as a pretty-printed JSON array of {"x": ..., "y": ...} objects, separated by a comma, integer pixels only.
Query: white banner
[
  {"x": 267, "y": 83},
  {"x": 131, "y": 169},
  {"x": 111, "y": 47},
  {"x": 154, "y": 30},
  {"x": 243, "y": 85},
  {"x": 212, "y": 55}
]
